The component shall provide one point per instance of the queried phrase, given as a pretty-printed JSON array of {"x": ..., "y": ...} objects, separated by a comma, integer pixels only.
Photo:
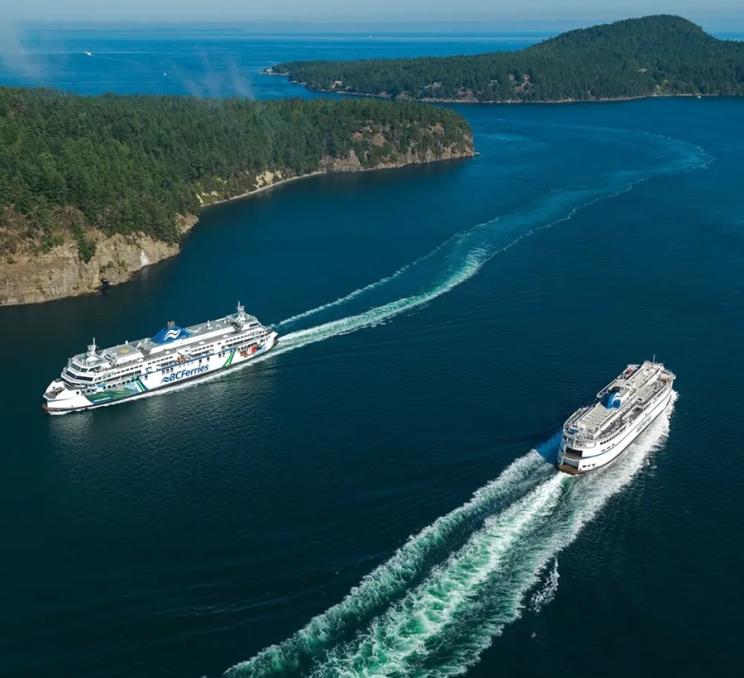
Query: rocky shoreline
[
  {"x": 29, "y": 278},
  {"x": 474, "y": 100}
]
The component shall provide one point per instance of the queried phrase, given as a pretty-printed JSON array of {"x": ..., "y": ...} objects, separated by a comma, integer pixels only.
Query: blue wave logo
[{"x": 169, "y": 334}]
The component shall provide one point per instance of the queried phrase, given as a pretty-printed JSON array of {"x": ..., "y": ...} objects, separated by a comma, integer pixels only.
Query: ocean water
[
  {"x": 377, "y": 496},
  {"x": 216, "y": 61}
]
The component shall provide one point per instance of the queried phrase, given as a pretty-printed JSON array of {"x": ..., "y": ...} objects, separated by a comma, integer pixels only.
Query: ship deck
[
  {"x": 201, "y": 335},
  {"x": 636, "y": 389},
  {"x": 146, "y": 349}
]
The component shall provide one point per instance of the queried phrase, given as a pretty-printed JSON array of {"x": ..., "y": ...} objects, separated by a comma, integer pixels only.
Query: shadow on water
[{"x": 549, "y": 449}]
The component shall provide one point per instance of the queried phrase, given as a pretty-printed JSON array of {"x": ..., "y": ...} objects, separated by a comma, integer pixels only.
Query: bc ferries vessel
[
  {"x": 597, "y": 434},
  {"x": 173, "y": 356}
]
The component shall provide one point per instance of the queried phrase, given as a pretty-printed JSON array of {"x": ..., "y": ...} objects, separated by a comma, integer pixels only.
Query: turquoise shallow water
[{"x": 439, "y": 323}]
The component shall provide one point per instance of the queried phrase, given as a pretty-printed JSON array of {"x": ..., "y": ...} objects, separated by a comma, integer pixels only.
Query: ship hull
[
  {"x": 156, "y": 382},
  {"x": 599, "y": 456}
]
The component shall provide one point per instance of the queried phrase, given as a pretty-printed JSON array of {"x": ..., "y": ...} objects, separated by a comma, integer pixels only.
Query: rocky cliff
[{"x": 28, "y": 277}]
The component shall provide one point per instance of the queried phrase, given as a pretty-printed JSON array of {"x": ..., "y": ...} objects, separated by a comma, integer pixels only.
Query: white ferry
[
  {"x": 597, "y": 434},
  {"x": 173, "y": 356}
]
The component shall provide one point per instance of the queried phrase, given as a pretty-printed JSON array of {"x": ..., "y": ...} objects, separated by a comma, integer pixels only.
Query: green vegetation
[
  {"x": 128, "y": 164},
  {"x": 655, "y": 55}
]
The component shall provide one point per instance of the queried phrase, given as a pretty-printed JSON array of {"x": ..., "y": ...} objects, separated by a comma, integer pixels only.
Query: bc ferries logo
[
  {"x": 184, "y": 374},
  {"x": 172, "y": 334}
]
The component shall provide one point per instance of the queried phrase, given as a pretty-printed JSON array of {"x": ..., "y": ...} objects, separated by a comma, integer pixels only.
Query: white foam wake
[
  {"x": 393, "y": 578},
  {"x": 348, "y": 297},
  {"x": 466, "y": 255},
  {"x": 462, "y": 256},
  {"x": 437, "y": 603},
  {"x": 468, "y": 252},
  {"x": 441, "y": 626},
  {"x": 483, "y": 241},
  {"x": 546, "y": 593},
  {"x": 398, "y": 640}
]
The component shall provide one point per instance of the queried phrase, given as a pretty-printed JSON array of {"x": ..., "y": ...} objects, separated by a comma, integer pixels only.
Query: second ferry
[
  {"x": 595, "y": 435},
  {"x": 168, "y": 359}
]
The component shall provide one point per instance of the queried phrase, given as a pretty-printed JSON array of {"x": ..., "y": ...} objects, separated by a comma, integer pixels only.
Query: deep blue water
[{"x": 478, "y": 304}]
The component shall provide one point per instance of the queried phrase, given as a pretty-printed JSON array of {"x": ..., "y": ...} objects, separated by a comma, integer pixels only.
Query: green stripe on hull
[{"x": 110, "y": 395}]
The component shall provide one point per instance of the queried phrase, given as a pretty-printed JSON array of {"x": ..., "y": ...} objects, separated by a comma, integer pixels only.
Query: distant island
[
  {"x": 94, "y": 188},
  {"x": 651, "y": 56}
]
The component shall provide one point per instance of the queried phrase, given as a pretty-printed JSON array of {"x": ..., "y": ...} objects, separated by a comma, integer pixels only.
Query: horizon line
[{"x": 482, "y": 25}]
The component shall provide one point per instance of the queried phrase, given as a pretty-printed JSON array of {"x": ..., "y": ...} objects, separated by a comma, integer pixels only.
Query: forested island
[
  {"x": 94, "y": 188},
  {"x": 650, "y": 56}
]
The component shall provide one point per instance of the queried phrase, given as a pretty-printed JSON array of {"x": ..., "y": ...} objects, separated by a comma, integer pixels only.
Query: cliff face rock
[
  {"x": 27, "y": 277},
  {"x": 268, "y": 178}
]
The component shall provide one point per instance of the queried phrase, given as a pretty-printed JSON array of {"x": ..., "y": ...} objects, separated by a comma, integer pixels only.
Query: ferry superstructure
[
  {"x": 596, "y": 435},
  {"x": 168, "y": 359}
]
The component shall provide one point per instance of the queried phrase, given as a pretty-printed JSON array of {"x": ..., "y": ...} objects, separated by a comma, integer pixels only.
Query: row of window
[{"x": 118, "y": 384}]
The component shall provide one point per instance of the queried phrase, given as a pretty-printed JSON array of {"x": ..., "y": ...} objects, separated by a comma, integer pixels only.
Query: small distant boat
[
  {"x": 172, "y": 356},
  {"x": 595, "y": 435},
  {"x": 87, "y": 53}
]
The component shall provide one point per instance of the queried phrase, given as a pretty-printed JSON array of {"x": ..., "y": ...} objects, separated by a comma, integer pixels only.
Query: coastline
[
  {"x": 260, "y": 189},
  {"x": 61, "y": 274},
  {"x": 323, "y": 172},
  {"x": 511, "y": 102}
]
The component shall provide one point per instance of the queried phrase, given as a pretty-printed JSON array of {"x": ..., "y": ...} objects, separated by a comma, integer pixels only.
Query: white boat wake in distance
[{"x": 464, "y": 254}]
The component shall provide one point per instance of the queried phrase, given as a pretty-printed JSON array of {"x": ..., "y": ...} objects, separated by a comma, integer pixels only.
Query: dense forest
[
  {"x": 133, "y": 163},
  {"x": 655, "y": 55}
]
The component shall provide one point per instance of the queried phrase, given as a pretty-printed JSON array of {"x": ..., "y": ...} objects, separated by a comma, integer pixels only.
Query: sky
[{"x": 712, "y": 14}]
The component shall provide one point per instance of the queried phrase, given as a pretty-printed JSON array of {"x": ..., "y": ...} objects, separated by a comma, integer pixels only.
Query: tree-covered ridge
[
  {"x": 132, "y": 163},
  {"x": 655, "y": 55}
]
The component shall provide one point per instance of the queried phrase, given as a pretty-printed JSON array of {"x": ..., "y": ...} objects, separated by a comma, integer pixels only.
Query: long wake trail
[
  {"x": 441, "y": 599},
  {"x": 394, "y": 577},
  {"x": 464, "y": 254},
  {"x": 414, "y": 617}
]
